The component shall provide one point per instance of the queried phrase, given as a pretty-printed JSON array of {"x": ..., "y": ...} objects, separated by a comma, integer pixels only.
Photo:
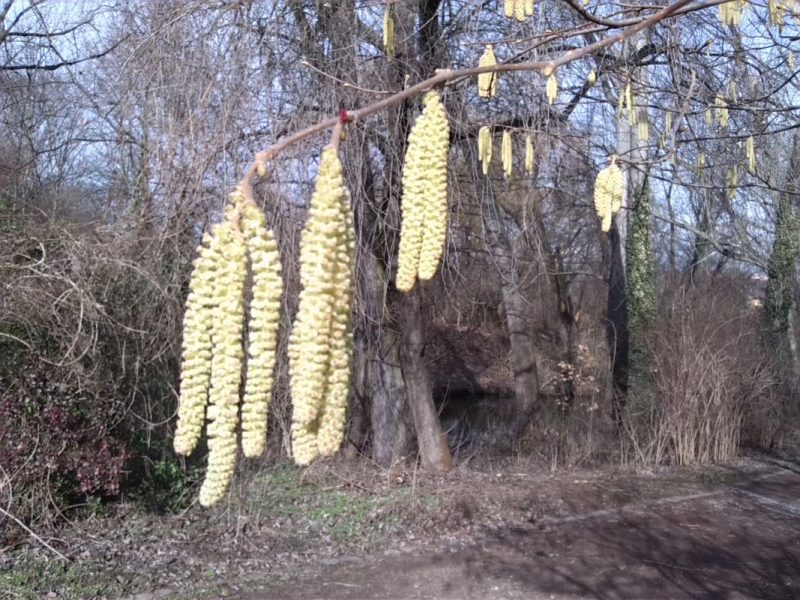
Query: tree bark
[{"x": 433, "y": 448}]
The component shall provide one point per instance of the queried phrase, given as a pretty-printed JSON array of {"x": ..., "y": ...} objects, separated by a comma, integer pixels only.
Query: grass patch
[
  {"x": 331, "y": 509},
  {"x": 34, "y": 577}
]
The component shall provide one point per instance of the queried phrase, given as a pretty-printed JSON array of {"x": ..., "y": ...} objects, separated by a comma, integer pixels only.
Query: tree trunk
[
  {"x": 523, "y": 352},
  {"x": 433, "y": 448}
]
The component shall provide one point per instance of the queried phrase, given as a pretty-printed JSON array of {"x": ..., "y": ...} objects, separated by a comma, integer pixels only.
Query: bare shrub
[
  {"x": 89, "y": 333},
  {"x": 705, "y": 371}
]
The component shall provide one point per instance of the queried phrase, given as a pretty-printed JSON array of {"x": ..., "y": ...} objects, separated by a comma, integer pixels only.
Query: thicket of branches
[{"x": 671, "y": 339}]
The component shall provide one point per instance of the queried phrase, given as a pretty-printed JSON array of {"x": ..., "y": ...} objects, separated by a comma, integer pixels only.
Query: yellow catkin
[
  {"x": 722, "y": 111},
  {"x": 730, "y": 13},
  {"x": 608, "y": 190},
  {"x": 196, "y": 362},
  {"x": 700, "y": 165},
  {"x": 433, "y": 170},
  {"x": 668, "y": 123},
  {"x": 333, "y": 415},
  {"x": 485, "y": 148},
  {"x": 644, "y": 128},
  {"x": 733, "y": 92},
  {"x": 751, "y": 155},
  {"x": 529, "y": 7},
  {"x": 388, "y": 32},
  {"x": 592, "y": 78},
  {"x": 508, "y": 6},
  {"x": 732, "y": 182},
  {"x": 264, "y": 316},
  {"x": 310, "y": 344},
  {"x": 529, "y": 155},
  {"x": 552, "y": 88},
  {"x": 487, "y": 82},
  {"x": 519, "y": 10},
  {"x": 226, "y": 360},
  {"x": 507, "y": 154}
]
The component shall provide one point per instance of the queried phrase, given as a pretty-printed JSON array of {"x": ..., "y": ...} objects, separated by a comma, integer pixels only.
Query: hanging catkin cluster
[
  {"x": 518, "y": 9},
  {"x": 320, "y": 352},
  {"x": 423, "y": 229},
  {"x": 487, "y": 82},
  {"x": 608, "y": 190},
  {"x": 213, "y": 353}
]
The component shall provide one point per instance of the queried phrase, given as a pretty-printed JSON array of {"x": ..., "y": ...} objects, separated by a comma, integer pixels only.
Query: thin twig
[{"x": 33, "y": 534}]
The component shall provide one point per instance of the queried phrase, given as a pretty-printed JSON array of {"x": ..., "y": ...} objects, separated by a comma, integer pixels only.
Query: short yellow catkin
[
  {"x": 333, "y": 414},
  {"x": 226, "y": 360},
  {"x": 487, "y": 82},
  {"x": 196, "y": 362},
  {"x": 388, "y": 32},
  {"x": 264, "y": 317},
  {"x": 485, "y": 148},
  {"x": 751, "y": 155},
  {"x": 701, "y": 163},
  {"x": 643, "y": 129},
  {"x": 423, "y": 229},
  {"x": 507, "y": 154},
  {"x": 529, "y": 155},
  {"x": 310, "y": 344},
  {"x": 592, "y": 78},
  {"x": 529, "y": 6},
  {"x": 519, "y": 10},
  {"x": 721, "y": 110},
  {"x": 552, "y": 88},
  {"x": 508, "y": 6},
  {"x": 608, "y": 190}
]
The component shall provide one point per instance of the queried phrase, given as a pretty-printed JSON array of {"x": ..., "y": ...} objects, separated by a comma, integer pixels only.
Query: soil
[
  {"x": 504, "y": 530},
  {"x": 735, "y": 542}
]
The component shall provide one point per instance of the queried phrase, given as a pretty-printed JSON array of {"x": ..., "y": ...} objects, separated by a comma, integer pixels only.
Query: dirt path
[{"x": 734, "y": 543}]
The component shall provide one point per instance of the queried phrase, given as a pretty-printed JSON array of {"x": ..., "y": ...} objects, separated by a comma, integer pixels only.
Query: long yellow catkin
[
  {"x": 506, "y": 154},
  {"x": 226, "y": 360},
  {"x": 310, "y": 344},
  {"x": 424, "y": 202},
  {"x": 529, "y": 6},
  {"x": 333, "y": 414},
  {"x": 388, "y": 33},
  {"x": 487, "y": 82},
  {"x": 508, "y": 6},
  {"x": 196, "y": 362},
  {"x": 434, "y": 236},
  {"x": 608, "y": 190},
  {"x": 264, "y": 317},
  {"x": 529, "y": 155},
  {"x": 485, "y": 148}
]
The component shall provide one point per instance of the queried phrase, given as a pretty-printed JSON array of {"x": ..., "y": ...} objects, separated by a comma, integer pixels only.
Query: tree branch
[{"x": 444, "y": 76}]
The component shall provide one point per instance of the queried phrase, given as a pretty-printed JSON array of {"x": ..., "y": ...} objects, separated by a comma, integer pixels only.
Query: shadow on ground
[{"x": 740, "y": 542}]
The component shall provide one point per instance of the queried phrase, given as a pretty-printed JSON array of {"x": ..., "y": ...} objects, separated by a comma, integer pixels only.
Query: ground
[{"x": 504, "y": 531}]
